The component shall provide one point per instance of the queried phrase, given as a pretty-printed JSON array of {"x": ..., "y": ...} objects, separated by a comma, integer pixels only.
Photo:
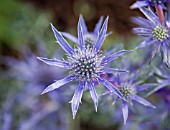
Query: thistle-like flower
[
  {"x": 144, "y": 3},
  {"x": 85, "y": 65},
  {"x": 88, "y": 37},
  {"x": 157, "y": 35},
  {"x": 129, "y": 88}
]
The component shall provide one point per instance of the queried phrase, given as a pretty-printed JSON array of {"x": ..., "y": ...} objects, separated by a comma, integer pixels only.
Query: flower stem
[{"x": 160, "y": 13}]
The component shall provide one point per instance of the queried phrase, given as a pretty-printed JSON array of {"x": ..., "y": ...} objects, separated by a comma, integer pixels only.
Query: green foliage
[{"x": 22, "y": 24}]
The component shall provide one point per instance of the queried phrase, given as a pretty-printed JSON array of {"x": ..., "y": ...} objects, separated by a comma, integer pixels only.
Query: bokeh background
[{"x": 25, "y": 33}]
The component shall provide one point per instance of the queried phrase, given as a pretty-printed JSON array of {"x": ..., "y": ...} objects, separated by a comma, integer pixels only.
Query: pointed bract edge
[
  {"x": 142, "y": 31},
  {"x": 58, "y": 84},
  {"x": 63, "y": 43},
  {"x": 113, "y": 70},
  {"x": 138, "y": 4},
  {"x": 80, "y": 34},
  {"x": 163, "y": 6},
  {"x": 115, "y": 56},
  {"x": 125, "y": 111},
  {"x": 145, "y": 43},
  {"x": 93, "y": 94},
  {"x": 108, "y": 34},
  {"x": 150, "y": 15},
  {"x": 101, "y": 36},
  {"x": 70, "y": 37},
  {"x": 98, "y": 26},
  {"x": 115, "y": 100},
  {"x": 157, "y": 88},
  {"x": 165, "y": 54},
  {"x": 76, "y": 100},
  {"x": 54, "y": 62},
  {"x": 83, "y": 24},
  {"x": 143, "y": 101},
  {"x": 111, "y": 87},
  {"x": 145, "y": 86},
  {"x": 106, "y": 93},
  {"x": 142, "y": 22},
  {"x": 155, "y": 49}
]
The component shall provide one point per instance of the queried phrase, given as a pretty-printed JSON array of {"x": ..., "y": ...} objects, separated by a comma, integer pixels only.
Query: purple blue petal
[
  {"x": 58, "y": 84},
  {"x": 145, "y": 86},
  {"x": 71, "y": 37},
  {"x": 93, "y": 94},
  {"x": 111, "y": 87},
  {"x": 63, "y": 43},
  {"x": 54, "y": 62},
  {"x": 139, "y": 4},
  {"x": 80, "y": 35},
  {"x": 76, "y": 100},
  {"x": 98, "y": 26},
  {"x": 160, "y": 86},
  {"x": 142, "y": 31},
  {"x": 143, "y": 101},
  {"x": 83, "y": 24},
  {"x": 143, "y": 22},
  {"x": 125, "y": 111},
  {"x": 113, "y": 70},
  {"x": 155, "y": 49},
  {"x": 145, "y": 43},
  {"x": 150, "y": 15},
  {"x": 115, "y": 56},
  {"x": 101, "y": 36}
]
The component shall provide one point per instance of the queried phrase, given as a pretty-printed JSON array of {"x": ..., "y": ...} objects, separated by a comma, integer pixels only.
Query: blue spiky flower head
[
  {"x": 128, "y": 85},
  {"x": 144, "y": 3},
  {"x": 88, "y": 37},
  {"x": 85, "y": 65},
  {"x": 156, "y": 34}
]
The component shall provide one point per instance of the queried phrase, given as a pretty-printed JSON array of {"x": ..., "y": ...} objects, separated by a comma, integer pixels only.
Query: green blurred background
[{"x": 25, "y": 21}]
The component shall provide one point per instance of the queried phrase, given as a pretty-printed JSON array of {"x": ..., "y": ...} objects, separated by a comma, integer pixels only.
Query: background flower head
[
  {"x": 156, "y": 34},
  {"x": 130, "y": 87}
]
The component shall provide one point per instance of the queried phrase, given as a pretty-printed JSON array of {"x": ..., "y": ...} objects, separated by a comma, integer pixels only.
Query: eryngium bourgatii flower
[
  {"x": 85, "y": 65},
  {"x": 144, "y": 3},
  {"x": 88, "y": 37},
  {"x": 129, "y": 87},
  {"x": 157, "y": 35}
]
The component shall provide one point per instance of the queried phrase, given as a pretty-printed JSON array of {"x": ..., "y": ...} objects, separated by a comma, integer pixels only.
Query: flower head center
[
  {"x": 127, "y": 91},
  {"x": 160, "y": 33},
  {"x": 89, "y": 40},
  {"x": 86, "y": 64}
]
